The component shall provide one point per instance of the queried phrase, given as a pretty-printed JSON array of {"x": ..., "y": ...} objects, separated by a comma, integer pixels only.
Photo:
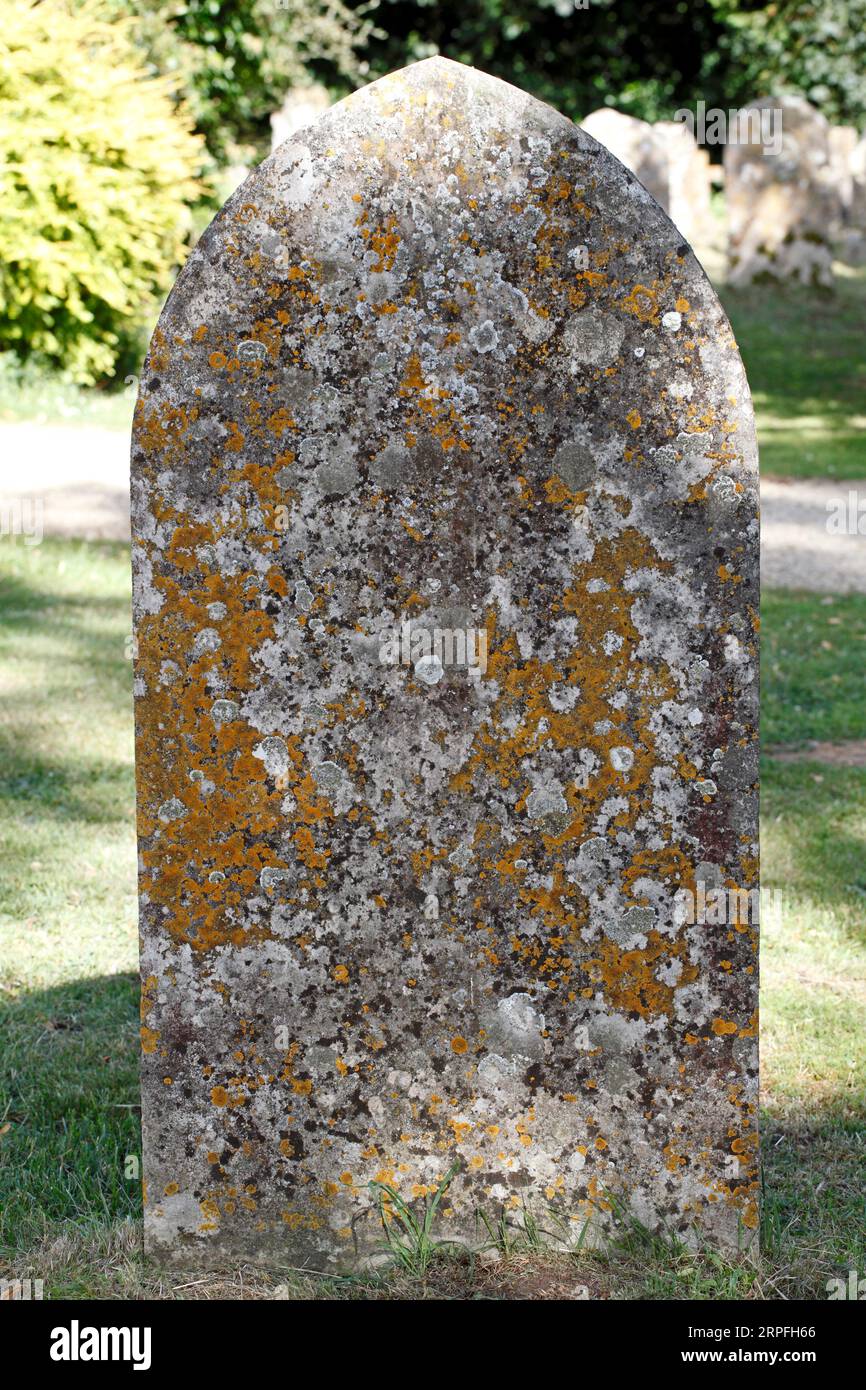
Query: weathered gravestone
[
  {"x": 783, "y": 205},
  {"x": 446, "y": 553}
]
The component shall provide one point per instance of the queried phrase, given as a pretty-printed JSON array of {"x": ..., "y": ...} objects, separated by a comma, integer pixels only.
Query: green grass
[
  {"x": 67, "y": 893},
  {"x": 68, "y": 995},
  {"x": 813, "y": 666},
  {"x": 813, "y": 1001},
  {"x": 803, "y": 351},
  {"x": 30, "y": 394}
]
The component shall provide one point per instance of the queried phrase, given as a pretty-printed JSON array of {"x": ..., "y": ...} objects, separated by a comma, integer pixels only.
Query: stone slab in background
[
  {"x": 301, "y": 107},
  {"x": 689, "y": 183},
  {"x": 442, "y": 364},
  {"x": 634, "y": 143},
  {"x": 669, "y": 163},
  {"x": 851, "y": 166},
  {"x": 783, "y": 207}
]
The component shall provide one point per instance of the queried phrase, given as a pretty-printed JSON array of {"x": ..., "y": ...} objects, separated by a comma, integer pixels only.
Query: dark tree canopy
[
  {"x": 645, "y": 60},
  {"x": 236, "y": 59}
]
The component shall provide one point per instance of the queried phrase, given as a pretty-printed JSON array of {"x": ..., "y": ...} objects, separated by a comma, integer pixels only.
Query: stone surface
[
  {"x": 301, "y": 107},
  {"x": 442, "y": 363},
  {"x": 782, "y": 207}
]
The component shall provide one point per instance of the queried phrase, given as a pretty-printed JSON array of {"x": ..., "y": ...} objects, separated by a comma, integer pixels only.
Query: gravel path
[
  {"x": 797, "y": 549},
  {"x": 81, "y": 477}
]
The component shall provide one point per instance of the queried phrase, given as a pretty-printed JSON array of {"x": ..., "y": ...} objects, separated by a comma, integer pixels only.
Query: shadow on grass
[
  {"x": 69, "y": 1097},
  {"x": 88, "y": 793},
  {"x": 66, "y": 774},
  {"x": 819, "y": 813},
  {"x": 28, "y": 608},
  {"x": 814, "y": 1202}
]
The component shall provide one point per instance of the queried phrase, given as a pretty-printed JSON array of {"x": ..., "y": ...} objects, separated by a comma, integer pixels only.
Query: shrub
[
  {"x": 98, "y": 166},
  {"x": 237, "y": 59}
]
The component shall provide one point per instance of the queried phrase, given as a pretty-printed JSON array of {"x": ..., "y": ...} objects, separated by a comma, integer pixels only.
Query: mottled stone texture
[{"x": 441, "y": 361}]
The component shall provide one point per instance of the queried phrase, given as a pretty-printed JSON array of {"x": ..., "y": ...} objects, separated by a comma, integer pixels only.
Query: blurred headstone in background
[
  {"x": 783, "y": 203},
  {"x": 848, "y": 152},
  {"x": 669, "y": 163},
  {"x": 635, "y": 144},
  {"x": 841, "y": 144},
  {"x": 689, "y": 183},
  {"x": 302, "y": 106}
]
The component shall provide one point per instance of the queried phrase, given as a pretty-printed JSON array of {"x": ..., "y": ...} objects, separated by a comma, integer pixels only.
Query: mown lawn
[
  {"x": 67, "y": 894},
  {"x": 68, "y": 1074},
  {"x": 803, "y": 352},
  {"x": 813, "y": 666},
  {"x": 44, "y": 398}
]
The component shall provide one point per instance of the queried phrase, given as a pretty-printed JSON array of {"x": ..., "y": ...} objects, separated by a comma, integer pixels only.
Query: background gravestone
[
  {"x": 848, "y": 163},
  {"x": 301, "y": 106},
  {"x": 689, "y": 183},
  {"x": 635, "y": 144},
  {"x": 442, "y": 362},
  {"x": 783, "y": 206},
  {"x": 669, "y": 163}
]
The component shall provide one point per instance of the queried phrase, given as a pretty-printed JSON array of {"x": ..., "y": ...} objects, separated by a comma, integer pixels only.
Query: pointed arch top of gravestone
[{"x": 445, "y": 556}]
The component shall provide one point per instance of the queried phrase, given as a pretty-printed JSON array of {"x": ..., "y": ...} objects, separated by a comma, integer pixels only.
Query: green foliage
[
  {"x": 816, "y": 50},
  {"x": 97, "y": 166},
  {"x": 410, "y": 1237},
  {"x": 528, "y": 1235},
  {"x": 645, "y": 60},
  {"x": 238, "y": 58}
]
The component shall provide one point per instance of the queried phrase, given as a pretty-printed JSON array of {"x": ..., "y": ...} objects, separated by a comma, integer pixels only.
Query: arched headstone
[{"x": 446, "y": 591}]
